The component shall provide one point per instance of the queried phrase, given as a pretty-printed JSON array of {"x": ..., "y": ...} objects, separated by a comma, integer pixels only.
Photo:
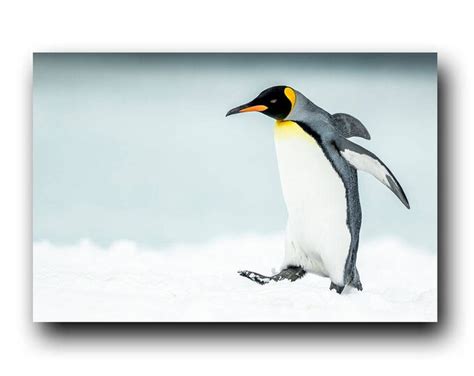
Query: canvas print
[{"x": 235, "y": 187}]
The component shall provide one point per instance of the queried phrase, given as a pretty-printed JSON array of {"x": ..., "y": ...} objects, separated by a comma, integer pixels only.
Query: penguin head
[{"x": 276, "y": 102}]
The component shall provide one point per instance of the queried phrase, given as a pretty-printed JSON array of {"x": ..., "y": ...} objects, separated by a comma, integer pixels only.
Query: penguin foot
[
  {"x": 338, "y": 288},
  {"x": 292, "y": 273},
  {"x": 260, "y": 279},
  {"x": 357, "y": 285},
  {"x": 356, "y": 280}
]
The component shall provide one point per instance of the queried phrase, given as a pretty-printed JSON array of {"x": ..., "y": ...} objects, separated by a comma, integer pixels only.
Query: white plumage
[{"x": 317, "y": 238}]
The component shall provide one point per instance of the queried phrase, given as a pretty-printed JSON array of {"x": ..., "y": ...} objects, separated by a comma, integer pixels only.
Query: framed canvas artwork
[{"x": 235, "y": 187}]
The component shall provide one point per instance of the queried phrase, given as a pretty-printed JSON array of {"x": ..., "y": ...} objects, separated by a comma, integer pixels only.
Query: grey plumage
[{"x": 349, "y": 126}]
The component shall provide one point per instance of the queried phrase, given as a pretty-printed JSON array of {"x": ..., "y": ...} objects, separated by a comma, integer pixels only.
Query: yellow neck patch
[
  {"x": 285, "y": 129},
  {"x": 291, "y": 95}
]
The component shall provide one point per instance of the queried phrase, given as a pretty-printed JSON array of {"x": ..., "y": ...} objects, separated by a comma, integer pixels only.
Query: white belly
[{"x": 318, "y": 238}]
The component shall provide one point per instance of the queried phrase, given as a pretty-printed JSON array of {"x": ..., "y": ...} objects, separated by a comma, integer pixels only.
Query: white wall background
[{"x": 280, "y": 26}]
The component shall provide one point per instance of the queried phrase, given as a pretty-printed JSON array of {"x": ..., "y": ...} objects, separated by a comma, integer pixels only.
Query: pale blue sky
[{"x": 136, "y": 146}]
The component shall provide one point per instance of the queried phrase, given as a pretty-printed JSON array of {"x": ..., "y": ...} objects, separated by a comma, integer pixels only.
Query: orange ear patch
[{"x": 291, "y": 95}]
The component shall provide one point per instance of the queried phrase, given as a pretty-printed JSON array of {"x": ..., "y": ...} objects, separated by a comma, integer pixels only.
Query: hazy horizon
[{"x": 137, "y": 146}]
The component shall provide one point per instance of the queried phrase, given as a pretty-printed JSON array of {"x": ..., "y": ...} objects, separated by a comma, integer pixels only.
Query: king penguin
[{"x": 318, "y": 171}]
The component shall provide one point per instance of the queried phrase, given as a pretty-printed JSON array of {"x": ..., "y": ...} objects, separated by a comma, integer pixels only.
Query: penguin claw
[
  {"x": 292, "y": 273},
  {"x": 356, "y": 281},
  {"x": 338, "y": 288},
  {"x": 258, "y": 278}
]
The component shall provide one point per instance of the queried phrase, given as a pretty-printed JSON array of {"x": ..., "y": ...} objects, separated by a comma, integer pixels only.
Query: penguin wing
[
  {"x": 349, "y": 126},
  {"x": 364, "y": 160}
]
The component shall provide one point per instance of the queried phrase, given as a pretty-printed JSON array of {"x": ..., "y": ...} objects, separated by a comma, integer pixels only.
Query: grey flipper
[
  {"x": 292, "y": 273},
  {"x": 364, "y": 160},
  {"x": 349, "y": 126}
]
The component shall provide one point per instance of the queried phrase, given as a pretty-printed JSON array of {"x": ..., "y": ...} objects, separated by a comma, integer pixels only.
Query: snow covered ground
[{"x": 200, "y": 283}]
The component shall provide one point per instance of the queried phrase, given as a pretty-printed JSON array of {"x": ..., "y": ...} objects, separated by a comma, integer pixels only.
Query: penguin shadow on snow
[{"x": 269, "y": 334}]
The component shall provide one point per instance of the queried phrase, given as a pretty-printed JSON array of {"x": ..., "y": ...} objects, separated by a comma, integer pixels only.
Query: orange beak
[
  {"x": 247, "y": 108},
  {"x": 258, "y": 108}
]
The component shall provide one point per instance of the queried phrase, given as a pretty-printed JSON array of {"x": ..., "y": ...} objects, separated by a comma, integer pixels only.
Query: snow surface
[{"x": 125, "y": 282}]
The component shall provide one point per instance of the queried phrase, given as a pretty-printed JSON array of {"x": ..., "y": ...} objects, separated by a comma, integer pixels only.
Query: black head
[{"x": 275, "y": 102}]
